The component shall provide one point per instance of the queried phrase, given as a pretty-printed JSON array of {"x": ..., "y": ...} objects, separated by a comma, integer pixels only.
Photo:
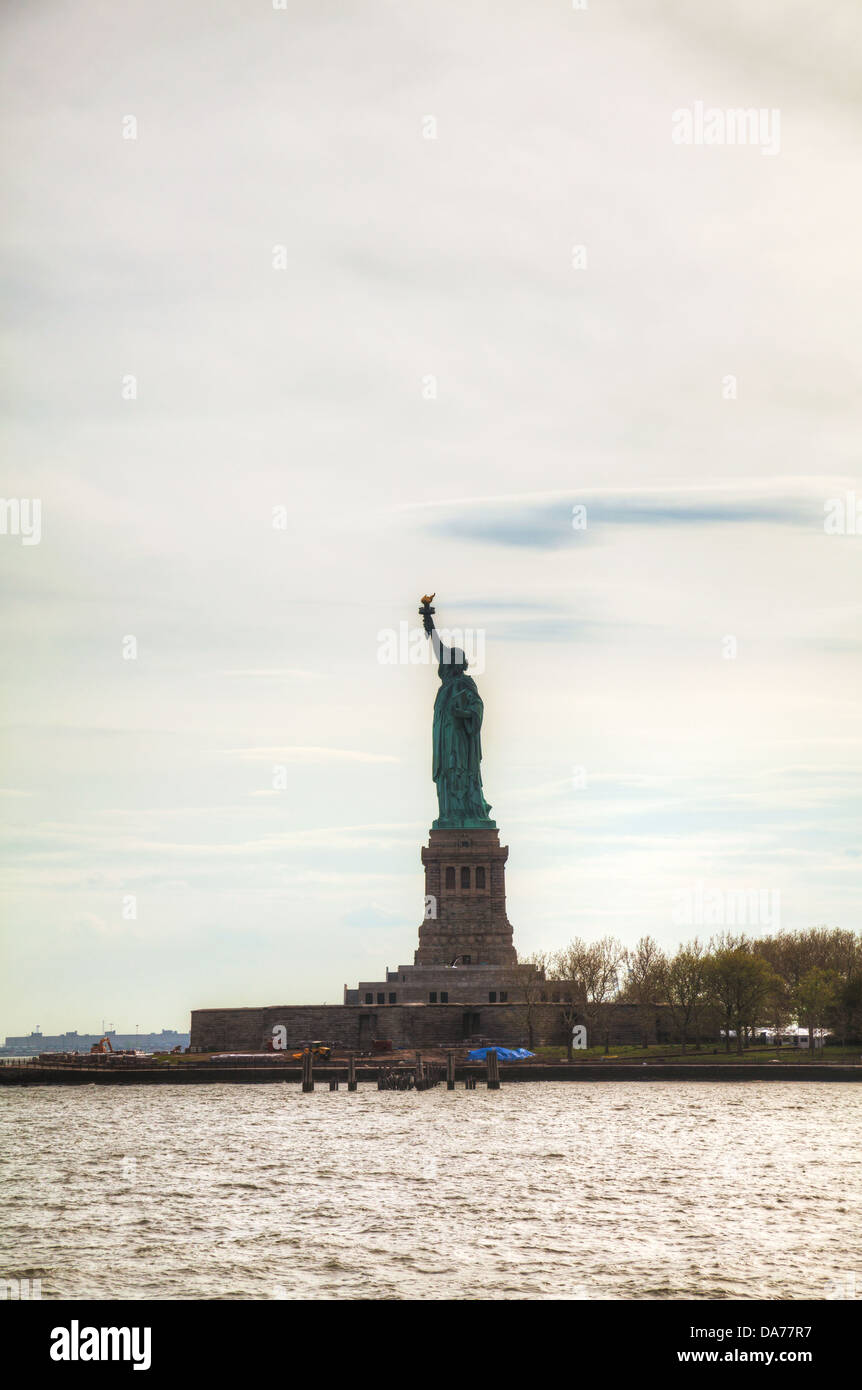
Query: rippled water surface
[{"x": 540, "y": 1190}]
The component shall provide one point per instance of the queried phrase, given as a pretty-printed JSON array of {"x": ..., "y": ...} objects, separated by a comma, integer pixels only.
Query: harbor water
[{"x": 661, "y": 1190}]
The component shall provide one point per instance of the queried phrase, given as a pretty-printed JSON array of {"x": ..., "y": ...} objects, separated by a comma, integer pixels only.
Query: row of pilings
[{"x": 420, "y": 1076}]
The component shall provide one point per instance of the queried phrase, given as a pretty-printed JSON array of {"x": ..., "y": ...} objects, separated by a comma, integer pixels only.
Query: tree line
[{"x": 732, "y": 984}]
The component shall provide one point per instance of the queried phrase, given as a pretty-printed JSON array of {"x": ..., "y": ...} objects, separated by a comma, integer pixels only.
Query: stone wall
[{"x": 409, "y": 1025}]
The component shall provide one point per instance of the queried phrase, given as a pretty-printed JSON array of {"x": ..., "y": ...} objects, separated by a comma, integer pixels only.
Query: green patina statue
[{"x": 456, "y": 766}]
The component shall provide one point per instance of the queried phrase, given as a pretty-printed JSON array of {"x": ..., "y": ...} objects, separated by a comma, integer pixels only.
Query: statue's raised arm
[{"x": 426, "y": 613}]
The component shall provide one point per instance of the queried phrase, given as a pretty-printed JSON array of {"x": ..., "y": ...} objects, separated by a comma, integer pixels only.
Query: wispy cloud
[{"x": 549, "y": 525}]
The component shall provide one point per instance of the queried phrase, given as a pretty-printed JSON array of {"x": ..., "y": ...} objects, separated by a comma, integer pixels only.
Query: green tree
[
  {"x": 848, "y": 1008},
  {"x": 833, "y": 951},
  {"x": 588, "y": 977},
  {"x": 816, "y": 995},
  {"x": 684, "y": 988},
  {"x": 645, "y": 971},
  {"x": 738, "y": 982}
]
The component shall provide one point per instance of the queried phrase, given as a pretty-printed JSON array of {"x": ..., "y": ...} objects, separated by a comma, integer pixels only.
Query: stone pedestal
[{"x": 465, "y": 896}]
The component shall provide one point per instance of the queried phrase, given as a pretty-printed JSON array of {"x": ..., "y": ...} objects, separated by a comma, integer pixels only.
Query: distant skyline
[
  {"x": 293, "y": 356},
  {"x": 92, "y": 1032}
]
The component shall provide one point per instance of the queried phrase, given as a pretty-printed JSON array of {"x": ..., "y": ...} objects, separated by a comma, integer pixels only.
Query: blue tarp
[{"x": 505, "y": 1054}]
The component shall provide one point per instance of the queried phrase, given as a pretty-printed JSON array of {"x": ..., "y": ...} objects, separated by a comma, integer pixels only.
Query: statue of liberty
[{"x": 457, "y": 739}]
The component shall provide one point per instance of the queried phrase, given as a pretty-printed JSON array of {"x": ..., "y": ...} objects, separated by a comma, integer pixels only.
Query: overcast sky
[{"x": 395, "y": 339}]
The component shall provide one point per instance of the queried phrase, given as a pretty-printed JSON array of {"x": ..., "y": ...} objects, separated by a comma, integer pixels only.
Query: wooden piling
[
  {"x": 450, "y": 1071},
  {"x": 333, "y": 1083},
  {"x": 307, "y": 1072},
  {"x": 493, "y": 1064},
  {"x": 351, "y": 1072}
]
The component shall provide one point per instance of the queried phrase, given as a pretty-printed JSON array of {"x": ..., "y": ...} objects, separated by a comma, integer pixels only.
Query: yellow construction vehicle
[{"x": 317, "y": 1049}]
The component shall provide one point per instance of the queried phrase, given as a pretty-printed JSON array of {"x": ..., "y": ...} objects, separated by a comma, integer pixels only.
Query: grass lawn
[{"x": 672, "y": 1052}]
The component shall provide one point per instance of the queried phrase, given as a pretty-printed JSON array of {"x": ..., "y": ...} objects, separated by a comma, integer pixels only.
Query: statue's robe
[{"x": 457, "y": 753}]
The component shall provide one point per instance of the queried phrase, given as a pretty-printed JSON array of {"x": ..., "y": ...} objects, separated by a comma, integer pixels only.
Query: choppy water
[{"x": 541, "y": 1190}]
